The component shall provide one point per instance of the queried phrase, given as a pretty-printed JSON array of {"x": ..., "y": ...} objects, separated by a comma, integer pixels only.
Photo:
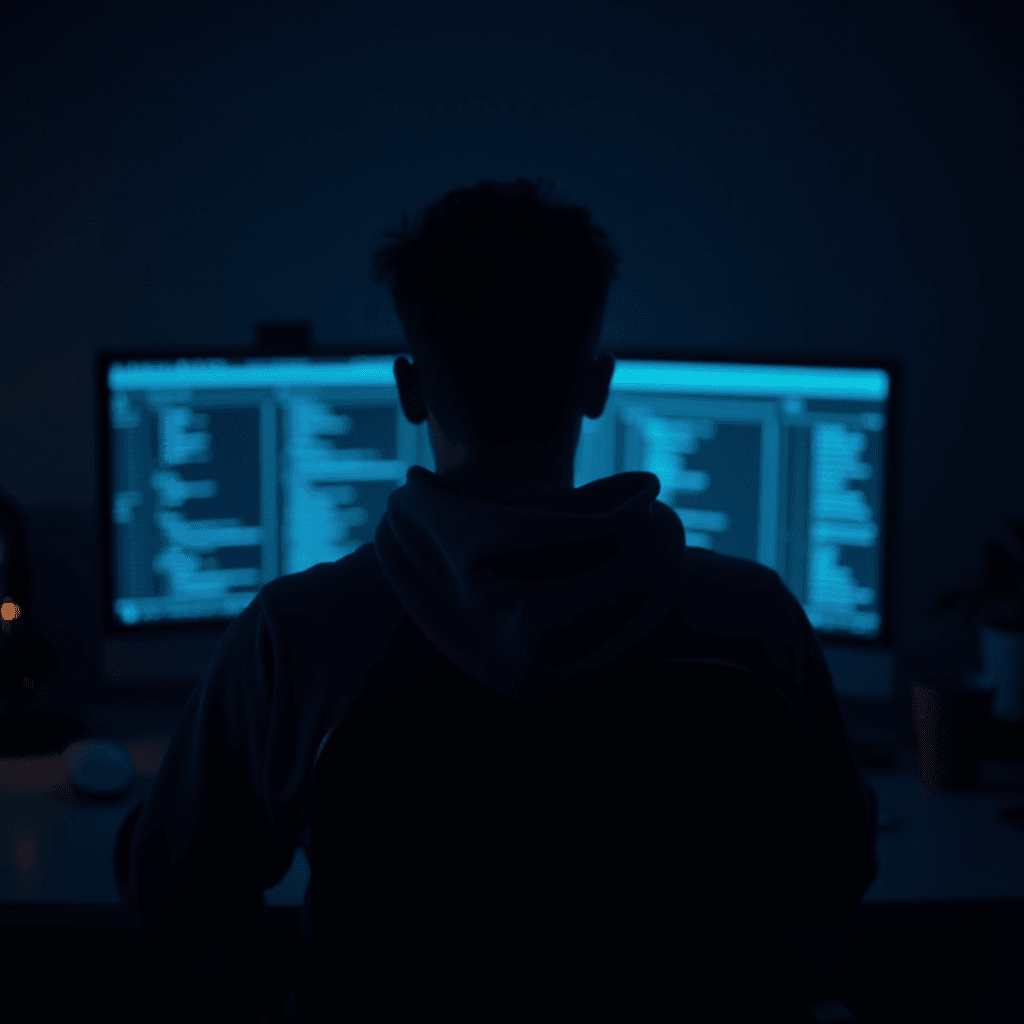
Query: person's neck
[
  {"x": 503, "y": 469},
  {"x": 496, "y": 476}
]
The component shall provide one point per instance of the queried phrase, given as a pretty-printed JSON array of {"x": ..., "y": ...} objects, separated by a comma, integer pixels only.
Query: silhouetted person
[{"x": 494, "y": 563}]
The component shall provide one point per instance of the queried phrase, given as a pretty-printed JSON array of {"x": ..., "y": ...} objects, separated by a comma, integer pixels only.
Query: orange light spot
[{"x": 9, "y": 611}]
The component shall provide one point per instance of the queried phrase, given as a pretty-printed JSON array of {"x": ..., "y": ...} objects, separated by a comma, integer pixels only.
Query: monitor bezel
[{"x": 111, "y": 627}]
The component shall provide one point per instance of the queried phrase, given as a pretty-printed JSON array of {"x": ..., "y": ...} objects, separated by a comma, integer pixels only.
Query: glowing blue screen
[{"x": 227, "y": 474}]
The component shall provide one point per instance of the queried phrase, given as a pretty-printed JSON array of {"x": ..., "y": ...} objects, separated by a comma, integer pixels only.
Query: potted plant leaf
[{"x": 994, "y": 601}]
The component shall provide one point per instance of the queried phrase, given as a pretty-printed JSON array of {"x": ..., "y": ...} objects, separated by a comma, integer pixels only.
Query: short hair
[{"x": 506, "y": 289}]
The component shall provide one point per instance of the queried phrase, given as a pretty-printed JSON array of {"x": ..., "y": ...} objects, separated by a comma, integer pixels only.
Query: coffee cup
[{"x": 950, "y": 718}]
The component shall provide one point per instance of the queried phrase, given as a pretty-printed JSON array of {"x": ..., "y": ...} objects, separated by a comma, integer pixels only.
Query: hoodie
[{"x": 526, "y": 594}]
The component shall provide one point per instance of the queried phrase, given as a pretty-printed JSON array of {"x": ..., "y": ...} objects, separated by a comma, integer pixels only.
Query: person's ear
[
  {"x": 407, "y": 378},
  {"x": 602, "y": 369}
]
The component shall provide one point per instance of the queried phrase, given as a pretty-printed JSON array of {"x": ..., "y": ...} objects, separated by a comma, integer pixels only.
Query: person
[{"x": 494, "y": 562}]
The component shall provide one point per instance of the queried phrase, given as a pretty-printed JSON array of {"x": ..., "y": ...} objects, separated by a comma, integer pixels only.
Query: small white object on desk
[{"x": 99, "y": 767}]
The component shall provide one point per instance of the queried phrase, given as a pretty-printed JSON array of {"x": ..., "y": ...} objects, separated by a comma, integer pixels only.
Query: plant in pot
[{"x": 994, "y": 601}]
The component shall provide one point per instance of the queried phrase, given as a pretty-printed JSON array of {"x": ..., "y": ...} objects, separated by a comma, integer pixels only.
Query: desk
[
  {"x": 59, "y": 845},
  {"x": 935, "y": 845},
  {"x": 932, "y": 846},
  {"x": 939, "y": 853},
  {"x": 948, "y": 858},
  {"x": 57, "y": 885}
]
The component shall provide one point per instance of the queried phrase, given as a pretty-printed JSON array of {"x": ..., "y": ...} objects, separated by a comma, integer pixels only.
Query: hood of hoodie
[{"x": 527, "y": 594}]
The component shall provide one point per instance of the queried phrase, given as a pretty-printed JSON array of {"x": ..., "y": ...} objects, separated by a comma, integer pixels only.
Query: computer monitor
[{"x": 220, "y": 473}]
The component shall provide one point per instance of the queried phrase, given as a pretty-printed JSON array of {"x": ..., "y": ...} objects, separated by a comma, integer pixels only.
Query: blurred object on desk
[
  {"x": 1002, "y": 652},
  {"x": 47, "y": 773},
  {"x": 98, "y": 767},
  {"x": 61, "y": 836},
  {"x": 950, "y": 718},
  {"x": 993, "y": 601}
]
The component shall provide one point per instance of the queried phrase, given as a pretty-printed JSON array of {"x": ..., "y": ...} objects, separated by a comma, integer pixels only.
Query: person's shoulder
[
  {"x": 730, "y": 571},
  {"x": 330, "y": 587},
  {"x": 728, "y": 584}
]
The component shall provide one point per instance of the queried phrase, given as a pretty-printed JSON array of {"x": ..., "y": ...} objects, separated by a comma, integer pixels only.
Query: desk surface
[
  {"x": 932, "y": 846},
  {"x": 936, "y": 845}
]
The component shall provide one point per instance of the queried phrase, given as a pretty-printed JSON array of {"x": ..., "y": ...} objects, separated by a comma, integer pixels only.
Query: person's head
[{"x": 501, "y": 292}]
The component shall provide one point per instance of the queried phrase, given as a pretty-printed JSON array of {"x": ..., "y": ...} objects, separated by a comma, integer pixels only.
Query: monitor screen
[{"x": 224, "y": 473}]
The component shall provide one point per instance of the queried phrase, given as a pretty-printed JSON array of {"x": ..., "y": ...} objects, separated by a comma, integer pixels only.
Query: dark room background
[{"x": 804, "y": 178}]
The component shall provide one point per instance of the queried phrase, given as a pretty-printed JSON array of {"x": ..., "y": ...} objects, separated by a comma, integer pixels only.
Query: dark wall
[{"x": 781, "y": 177}]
